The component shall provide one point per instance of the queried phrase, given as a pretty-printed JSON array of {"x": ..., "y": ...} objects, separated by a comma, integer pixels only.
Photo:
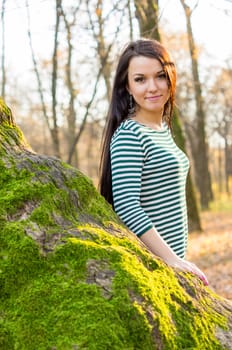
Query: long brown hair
[{"x": 119, "y": 104}]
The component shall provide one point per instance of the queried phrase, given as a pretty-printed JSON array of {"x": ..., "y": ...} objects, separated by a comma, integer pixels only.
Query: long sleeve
[
  {"x": 127, "y": 158},
  {"x": 148, "y": 181}
]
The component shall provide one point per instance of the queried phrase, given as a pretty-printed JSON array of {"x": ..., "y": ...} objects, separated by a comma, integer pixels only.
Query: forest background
[{"x": 57, "y": 62}]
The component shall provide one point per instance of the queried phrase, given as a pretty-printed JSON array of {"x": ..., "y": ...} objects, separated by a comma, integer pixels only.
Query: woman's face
[{"x": 148, "y": 85}]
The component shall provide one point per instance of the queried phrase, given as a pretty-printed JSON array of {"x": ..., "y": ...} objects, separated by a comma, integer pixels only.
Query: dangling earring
[{"x": 131, "y": 108}]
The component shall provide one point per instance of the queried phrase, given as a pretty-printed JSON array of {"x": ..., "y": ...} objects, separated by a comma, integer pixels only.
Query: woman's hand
[
  {"x": 188, "y": 266},
  {"x": 155, "y": 243}
]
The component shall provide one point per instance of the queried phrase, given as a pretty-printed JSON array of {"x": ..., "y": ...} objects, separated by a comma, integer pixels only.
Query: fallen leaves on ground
[{"x": 211, "y": 251}]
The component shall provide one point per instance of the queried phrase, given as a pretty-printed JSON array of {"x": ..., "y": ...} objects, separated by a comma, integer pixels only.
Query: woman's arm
[
  {"x": 155, "y": 243},
  {"x": 127, "y": 161},
  {"x": 126, "y": 165}
]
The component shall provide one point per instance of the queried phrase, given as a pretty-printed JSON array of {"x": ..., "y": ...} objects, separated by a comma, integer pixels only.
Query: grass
[
  {"x": 221, "y": 203},
  {"x": 222, "y": 200},
  {"x": 211, "y": 249}
]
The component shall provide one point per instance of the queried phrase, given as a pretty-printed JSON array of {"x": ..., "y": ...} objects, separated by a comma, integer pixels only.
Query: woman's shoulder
[
  {"x": 127, "y": 129},
  {"x": 127, "y": 126}
]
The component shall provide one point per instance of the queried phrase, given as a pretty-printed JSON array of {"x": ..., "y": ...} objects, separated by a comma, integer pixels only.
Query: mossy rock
[{"x": 73, "y": 277}]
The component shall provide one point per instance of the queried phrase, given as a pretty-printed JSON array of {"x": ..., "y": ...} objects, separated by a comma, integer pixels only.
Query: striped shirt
[{"x": 148, "y": 182}]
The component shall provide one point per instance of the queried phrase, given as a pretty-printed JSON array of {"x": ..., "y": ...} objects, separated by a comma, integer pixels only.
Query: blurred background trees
[{"x": 61, "y": 102}]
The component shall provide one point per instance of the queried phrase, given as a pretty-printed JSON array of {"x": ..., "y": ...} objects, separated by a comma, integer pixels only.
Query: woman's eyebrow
[
  {"x": 138, "y": 73},
  {"x": 142, "y": 74}
]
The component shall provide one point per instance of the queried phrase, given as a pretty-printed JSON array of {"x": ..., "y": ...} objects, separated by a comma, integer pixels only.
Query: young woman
[{"x": 143, "y": 172}]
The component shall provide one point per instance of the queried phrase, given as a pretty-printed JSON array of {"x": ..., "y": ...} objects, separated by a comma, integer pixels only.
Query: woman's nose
[{"x": 152, "y": 86}]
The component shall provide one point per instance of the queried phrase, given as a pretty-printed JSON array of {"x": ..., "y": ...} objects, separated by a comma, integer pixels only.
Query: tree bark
[
  {"x": 148, "y": 23},
  {"x": 130, "y": 19},
  {"x": 194, "y": 221},
  {"x": 3, "y": 68},
  {"x": 202, "y": 173},
  {"x": 55, "y": 130},
  {"x": 77, "y": 278},
  {"x": 147, "y": 15},
  {"x": 71, "y": 112},
  {"x": 102, "y": 49}
]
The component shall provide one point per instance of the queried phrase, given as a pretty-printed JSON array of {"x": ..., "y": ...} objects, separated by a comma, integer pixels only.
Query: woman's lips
[{"x": 153, "y": 98}]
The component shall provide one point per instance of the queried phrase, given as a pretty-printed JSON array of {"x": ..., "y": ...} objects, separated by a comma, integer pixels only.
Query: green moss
[
  {"x": 52, "y": 305},
  {"x": 90, "y": 200},
  {"x": 12, "y": 137},
  {"x": 53, "y": 300},
  {"x": 10, "y": 134},
  {"x": 4, "y": 109},
  {"x": 36, "y": 183},
  {"x": 12, "y": 192},
  {"x": 58, "y": 308}
]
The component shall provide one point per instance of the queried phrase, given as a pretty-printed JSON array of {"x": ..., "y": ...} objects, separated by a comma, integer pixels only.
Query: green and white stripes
[{"x": 148, "y": 181}]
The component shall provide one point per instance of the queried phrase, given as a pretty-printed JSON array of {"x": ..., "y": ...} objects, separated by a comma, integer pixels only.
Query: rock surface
[{"x": 73, "y": 277}]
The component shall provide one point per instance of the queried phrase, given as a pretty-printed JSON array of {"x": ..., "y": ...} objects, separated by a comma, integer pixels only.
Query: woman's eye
[
  {"x": 139, "y": 79},
  {"x": 162, "y": 76}
]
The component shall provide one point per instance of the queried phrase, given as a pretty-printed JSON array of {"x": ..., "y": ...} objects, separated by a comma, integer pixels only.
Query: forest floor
[{"x": 211, "y": 250}]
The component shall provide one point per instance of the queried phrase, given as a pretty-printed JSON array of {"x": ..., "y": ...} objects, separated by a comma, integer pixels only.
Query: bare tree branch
[
  {"x": 77, "y": 137},
  {"x": 226, "y": 11},
  {"x": 102, "y": 50},
  {"x": 130, "y": 19},
  {"x": 71, "y": 115},
  {"x": 40, "y": 88}
]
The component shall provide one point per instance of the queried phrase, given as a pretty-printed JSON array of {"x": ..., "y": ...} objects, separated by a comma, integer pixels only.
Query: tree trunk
[
  {"x": 73, "y": 277},
  {"x": 84, "y": 120},
  {"x": 71, "y": 112},
  {"x": 227, "y": 165},
  {"x": 130, "y": 19},
  {"x": 3, "y": 68},
  {"x": 148, "y": 23},
  {"x": 55, "y": 131},
  {"x": 103, "y": 49},
  {"x": 202, "y": 174},
  {"x": 194, "y": 221},
  {"x": 220, "y": 171},
  {"x": 147, "y": 15}
]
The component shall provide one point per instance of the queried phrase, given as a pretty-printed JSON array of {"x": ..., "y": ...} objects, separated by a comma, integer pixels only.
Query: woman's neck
[{"x": 151, "y": 120}]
